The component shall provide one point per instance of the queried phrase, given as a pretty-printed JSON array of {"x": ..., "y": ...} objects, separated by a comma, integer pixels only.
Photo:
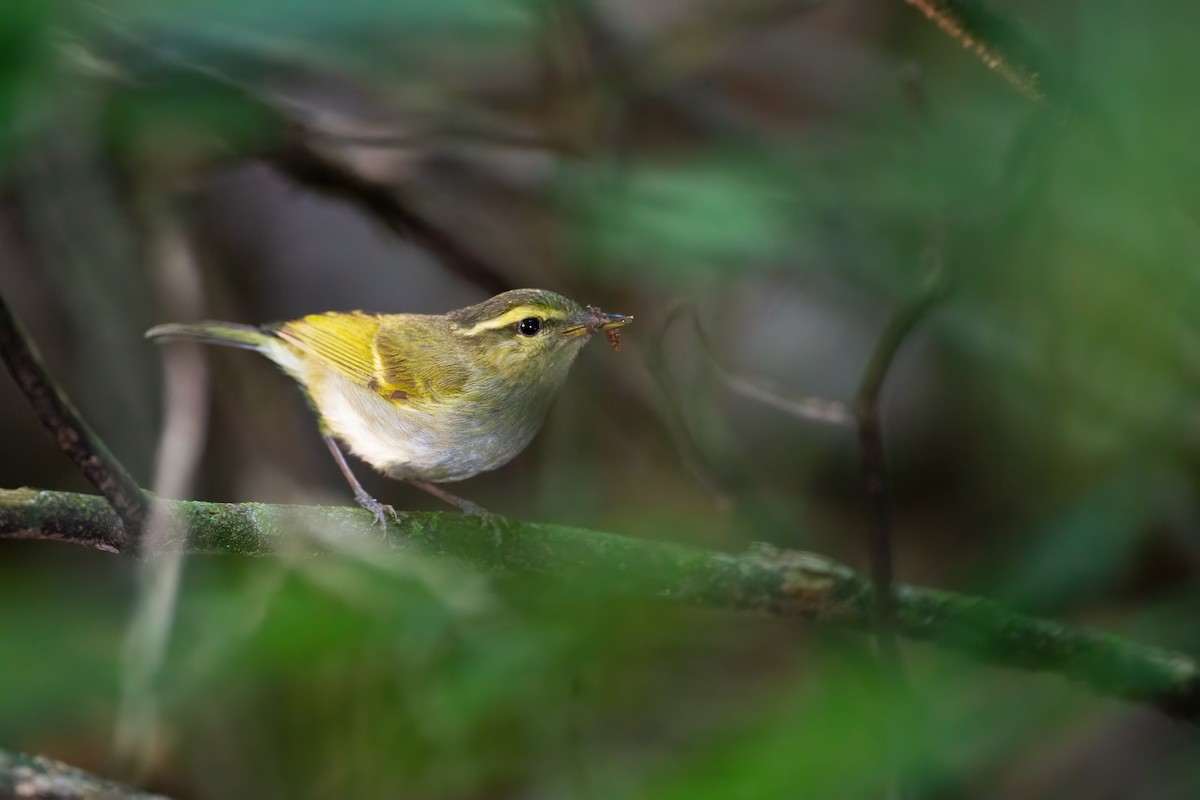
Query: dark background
[{"x": 791, "y": 172}]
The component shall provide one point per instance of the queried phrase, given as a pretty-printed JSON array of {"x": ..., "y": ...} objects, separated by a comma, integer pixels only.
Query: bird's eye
[{"x": 529, "y": 326}]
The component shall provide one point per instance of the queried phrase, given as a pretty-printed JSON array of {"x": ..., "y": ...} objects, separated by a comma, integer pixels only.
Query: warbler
[{"x": 425, "y": 398}]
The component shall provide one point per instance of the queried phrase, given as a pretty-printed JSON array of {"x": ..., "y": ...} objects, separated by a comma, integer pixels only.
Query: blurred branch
[
  {"x": 874, "y": 464},
  {"x": 765, "y": 580},
  {"x": 880, "y": 550},
  {"x": 810, "y": 409},
  {"x": 692, "y": 46},
  {"x": 172, "y": 261},
  {"x": 619, "y": 72},
  {"x": 298, "y": 158},
  {"x": 46, "y": 779},
  {"x": 715, "y": 481},
  {"x": 59, "y": 415},
  {"x": 866, "y": 417},
  {"x": 991, "y": 38},
  {"x": 304, "y": 142}
]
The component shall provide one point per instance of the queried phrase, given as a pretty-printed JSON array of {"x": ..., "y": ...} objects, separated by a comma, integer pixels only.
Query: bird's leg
[
  {"x": 465, "y": 506},
  {"x": 360, "y": 494}
]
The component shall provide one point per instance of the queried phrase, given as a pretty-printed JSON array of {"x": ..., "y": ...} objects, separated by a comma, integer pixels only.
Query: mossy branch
[
  {"x": 46, "y": 779},
  {"x": 764, "y": 580}
]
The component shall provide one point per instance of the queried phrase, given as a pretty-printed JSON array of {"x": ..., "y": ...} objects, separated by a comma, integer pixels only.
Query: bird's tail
[{"x": 229, "y": 334}]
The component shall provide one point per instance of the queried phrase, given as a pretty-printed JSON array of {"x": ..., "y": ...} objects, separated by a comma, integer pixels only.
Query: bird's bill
[{"x": 593, "y": 320}]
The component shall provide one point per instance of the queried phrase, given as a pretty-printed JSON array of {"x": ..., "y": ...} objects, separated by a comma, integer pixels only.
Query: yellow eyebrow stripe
[{"x": 510, "y": 317}]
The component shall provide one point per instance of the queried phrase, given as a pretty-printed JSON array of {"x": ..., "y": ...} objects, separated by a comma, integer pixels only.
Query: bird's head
[{"x": 529, "y": 336}]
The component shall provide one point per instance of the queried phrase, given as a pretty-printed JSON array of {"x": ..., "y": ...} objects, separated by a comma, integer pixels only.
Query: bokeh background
[{"x": 789, "y": 174}]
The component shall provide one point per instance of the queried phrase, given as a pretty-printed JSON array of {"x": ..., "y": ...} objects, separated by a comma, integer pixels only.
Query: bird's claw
[
  {"x": 377, "y": 509},
  {"x": 381, "y": 511},
  {"x": 473, "y": 509}
]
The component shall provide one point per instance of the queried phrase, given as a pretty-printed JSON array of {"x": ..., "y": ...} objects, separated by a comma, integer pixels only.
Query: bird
[{"x": 425, "y": 398}]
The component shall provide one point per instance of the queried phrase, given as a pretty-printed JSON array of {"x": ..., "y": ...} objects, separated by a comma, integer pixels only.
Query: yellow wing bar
[
  {"x": 370, "y": 349},
  {"x": 344, "y": 341}
]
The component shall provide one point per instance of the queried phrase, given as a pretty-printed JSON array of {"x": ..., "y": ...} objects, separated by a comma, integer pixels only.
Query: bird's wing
[
  {"x": 417, "y": 362},
  {"x": 376, "y": 352},
  {"x": 343, "y": 341}
]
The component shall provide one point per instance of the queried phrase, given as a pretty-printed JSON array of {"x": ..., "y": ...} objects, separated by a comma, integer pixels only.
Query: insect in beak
[
  {"x": 593, "y": 320},
  {"x": 612, "y": 329}
]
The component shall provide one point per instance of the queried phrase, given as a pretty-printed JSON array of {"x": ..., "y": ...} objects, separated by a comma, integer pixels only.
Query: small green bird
[{"x": 425, "y": 398}]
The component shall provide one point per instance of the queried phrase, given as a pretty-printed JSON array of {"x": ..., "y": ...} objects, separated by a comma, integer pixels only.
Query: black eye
[{"x": 529, "y": 326}]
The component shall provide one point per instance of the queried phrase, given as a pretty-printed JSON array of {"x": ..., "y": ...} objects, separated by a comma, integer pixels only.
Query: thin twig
[
  {"x": 874, "y": 467},
  {"x": 659, "y": 366},
  {"x": 810, "y": 409},
  {"x": 951, "y": 20},
  {"x": 764, "y": 580},
  {"x": 60, "y": 417},
  {"x": 172, "y": 261},
  {"x": 865, "y": 415},
  {"x": 879, "y": 538},
  {"x": 974, "y": 27},
  {"x": 411, "y": 141}
]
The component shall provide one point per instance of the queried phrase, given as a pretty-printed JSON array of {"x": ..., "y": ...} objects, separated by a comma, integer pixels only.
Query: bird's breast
[{"x": 435, "y": 440}]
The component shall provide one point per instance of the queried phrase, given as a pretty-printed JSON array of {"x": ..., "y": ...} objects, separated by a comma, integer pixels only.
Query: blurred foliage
[
  {"x": 794, "y": 173},
  {"x": 24, "y": 63},
  {"x": 719, "y": 215}
]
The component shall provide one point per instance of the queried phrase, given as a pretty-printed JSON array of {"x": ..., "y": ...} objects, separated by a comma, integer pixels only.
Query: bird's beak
[
  {"x": 615, "y": 321},
  {"x": 593, "y": 320}
]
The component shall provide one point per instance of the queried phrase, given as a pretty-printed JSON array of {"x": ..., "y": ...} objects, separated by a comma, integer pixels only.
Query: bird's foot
[
  {"x": 463, "y": 505},
  {"x": 473, "y": 509},
  {"x": 378, "y": 509}
]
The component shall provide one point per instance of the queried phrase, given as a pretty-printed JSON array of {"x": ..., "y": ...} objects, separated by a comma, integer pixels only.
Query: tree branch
[
  {"x": 43, "y": 778},
  {"x": 85, "y": 449},
  {"x": 765, "y": 580}
]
